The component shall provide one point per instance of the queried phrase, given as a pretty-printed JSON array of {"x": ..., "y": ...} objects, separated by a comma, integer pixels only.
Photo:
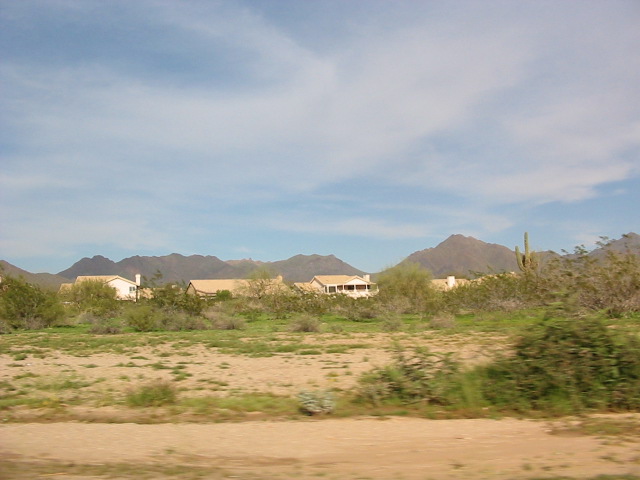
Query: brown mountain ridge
[{"x": 457, "y": 255}]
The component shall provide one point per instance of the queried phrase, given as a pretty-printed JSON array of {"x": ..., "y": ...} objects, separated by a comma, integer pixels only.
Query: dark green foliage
[
  {"x": 568, "y": 365},
  {"x": 27, "y": 306},
  {"x": 223, "y": 296}
]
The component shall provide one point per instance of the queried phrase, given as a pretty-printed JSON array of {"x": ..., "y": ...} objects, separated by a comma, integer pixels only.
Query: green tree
[
  {"x": 93, "y": 296},
  {"x": 407, "y": 287},
  {"x": 23, "y": 305},
  {"x": 261, "y": 283},
  {"x": 172, "y": 297}
]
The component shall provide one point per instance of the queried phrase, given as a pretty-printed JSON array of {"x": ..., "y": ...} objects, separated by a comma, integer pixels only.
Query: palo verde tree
[
  {"x": 407, "y": 288},
  {"x": 93, "y": 296},
  {"x": 27, "y": 306}
]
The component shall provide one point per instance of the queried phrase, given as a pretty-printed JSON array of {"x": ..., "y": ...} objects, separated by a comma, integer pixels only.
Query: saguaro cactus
[{"x": 527, "y": 261}]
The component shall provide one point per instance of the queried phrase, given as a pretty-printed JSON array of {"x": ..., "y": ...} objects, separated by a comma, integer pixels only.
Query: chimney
[
  {"x": 138, "y": 279},
  {"x": 367, "y": 277}
]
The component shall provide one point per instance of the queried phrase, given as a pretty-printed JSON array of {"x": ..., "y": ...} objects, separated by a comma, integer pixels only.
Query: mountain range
[{"x": 457, "y": 255}]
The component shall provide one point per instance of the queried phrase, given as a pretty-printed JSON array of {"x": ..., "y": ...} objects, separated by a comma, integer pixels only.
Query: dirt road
[{"x": 395, "y": 448}]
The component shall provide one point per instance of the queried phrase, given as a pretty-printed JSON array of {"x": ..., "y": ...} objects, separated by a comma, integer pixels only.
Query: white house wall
[{"x": 123, "y": 289}]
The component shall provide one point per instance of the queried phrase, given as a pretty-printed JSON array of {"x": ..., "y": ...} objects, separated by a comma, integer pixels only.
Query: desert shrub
[
  {"x": 443, "y": 320},
  {"x": 354, "y": 309},
  {"x": 27, "y": 306},
  {"x": 229, "y": 322},
  {"x": 223, "y": 296},
  {"x": 313, "y": 303},
  {"x": 93, "y": 296},
  {"x": 181, "y": 321},
  {"x": 565, "y": 366},
  {"x": 416, "y": 376},
  {"x": 143, "y": 318},
  {"x": 408, "y": 285},
  {"x": 173, "y": 297},
  {"x": 316, "y": 402},
  {"x": 391, "y": 323},
  {"x": 109, "y": 326},
  {"x": 154, "y": 394},
  {"x": 609, "y": 283},
  {"x": 304, "y": 323},
  {"x": 505, "y": 292}
]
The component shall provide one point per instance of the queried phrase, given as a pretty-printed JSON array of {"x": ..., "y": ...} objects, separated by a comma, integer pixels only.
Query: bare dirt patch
[
  {"x": 341, "y": 449},
  {"x": 88, "y": 388}
]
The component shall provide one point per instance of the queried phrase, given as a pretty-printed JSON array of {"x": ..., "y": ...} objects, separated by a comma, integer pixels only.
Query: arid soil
[
  {"x": 35, "y": 443},
  {"x": 395, "y": 448}
]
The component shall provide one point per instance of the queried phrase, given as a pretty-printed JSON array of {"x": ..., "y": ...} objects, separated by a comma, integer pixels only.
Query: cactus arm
[{"x": 527, "y": 261}]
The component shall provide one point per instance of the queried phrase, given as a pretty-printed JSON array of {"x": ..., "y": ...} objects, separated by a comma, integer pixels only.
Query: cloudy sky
[{"x": 262, "y": 129}]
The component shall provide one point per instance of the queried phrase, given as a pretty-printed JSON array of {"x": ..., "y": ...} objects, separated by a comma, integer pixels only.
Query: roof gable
[
  {"x": 215, "y": 285},
  {"x": 102, "y": 278},
  {"x": 339, "y": 280}
]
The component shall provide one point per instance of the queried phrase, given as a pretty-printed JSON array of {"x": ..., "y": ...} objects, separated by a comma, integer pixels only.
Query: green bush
[
  {"x": 407, "y": 288},
  {"x": 566, "y": 366},
  {"x": 229, "y": 322},
  {"x": 608, "y": 283},
  {"x": 109, "y": 326},
  {"x": 143, "y": 318},
  {"x": 304, "y": 323},
  {"x": 27, "y": 306},
  {"x": 180, "y": 321},
  {"x": 418, "y": 376},
  {"x": 94, "y": 297},
  {"x": 154, "y": 394}
]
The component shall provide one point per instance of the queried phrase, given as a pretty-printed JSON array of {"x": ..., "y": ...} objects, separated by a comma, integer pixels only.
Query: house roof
[
  {"x": 102, "y": 278},
  {"x": 338, "y": 279},
  {"x": 213, "y": 286}
]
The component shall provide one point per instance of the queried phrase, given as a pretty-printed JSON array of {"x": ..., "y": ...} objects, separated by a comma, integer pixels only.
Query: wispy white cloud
[{"x": 220, "y": 104}]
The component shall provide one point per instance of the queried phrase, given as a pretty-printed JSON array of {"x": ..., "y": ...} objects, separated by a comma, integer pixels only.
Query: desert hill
[
  {"x": 457, "y": 255},
  {"x": 180, "y": 268},
  {"x": 45, "y": 280}
]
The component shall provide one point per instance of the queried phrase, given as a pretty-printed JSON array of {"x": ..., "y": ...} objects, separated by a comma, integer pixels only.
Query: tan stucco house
[
  {"x": 237, "y": 286},
  {"x": 125, "y": 289},
  {"x": 352, "y": 285}
]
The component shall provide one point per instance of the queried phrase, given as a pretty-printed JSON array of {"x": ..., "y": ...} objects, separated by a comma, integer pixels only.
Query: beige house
[
  {"x": 449, "y": 282},
  {"x": 125, "y": 289},
  {"x": 352, "y": 285},
  {"x": 237, "y": 286},
  {"x": 210, "y": 288}
]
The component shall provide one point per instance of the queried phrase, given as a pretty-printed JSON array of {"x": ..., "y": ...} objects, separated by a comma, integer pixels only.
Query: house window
[
  {"x": 132, "y": 289},
  {"x": 332, "y": 289}
]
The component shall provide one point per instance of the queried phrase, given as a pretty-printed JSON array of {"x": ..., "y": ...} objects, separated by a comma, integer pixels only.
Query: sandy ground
[
  {"x": 362, "y": 448},
  {"x": 395, "y": 448}
]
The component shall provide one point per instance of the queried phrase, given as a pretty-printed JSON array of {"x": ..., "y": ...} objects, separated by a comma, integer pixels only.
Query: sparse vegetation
[
  {"x": 155, "y": 394},
  {"x": 568, "y": 336}
]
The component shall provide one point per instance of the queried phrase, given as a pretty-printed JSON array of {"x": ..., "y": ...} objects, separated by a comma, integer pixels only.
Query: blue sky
[{"x": 367, "y": 129}]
